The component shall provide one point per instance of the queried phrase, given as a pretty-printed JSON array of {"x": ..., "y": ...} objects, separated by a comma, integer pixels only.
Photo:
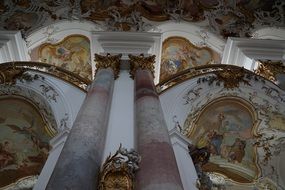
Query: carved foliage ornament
[
  {"x": 231, "y": 77},
  {"x": 118, "y": 171},
  {"x": 141, "y": 62},
  {"x": 112, "y": 61},
  {"x": 269, "y": 69},
  {"x": 9, "y": 75}
]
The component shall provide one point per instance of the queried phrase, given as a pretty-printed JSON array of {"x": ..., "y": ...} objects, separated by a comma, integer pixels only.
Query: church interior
[{"x": 142, "y": 94}]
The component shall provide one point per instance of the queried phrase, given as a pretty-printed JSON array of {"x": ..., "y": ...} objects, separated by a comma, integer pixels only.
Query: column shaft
[
  {"x": 158, "y": 168},
  {"x": 79, "y": 163}
]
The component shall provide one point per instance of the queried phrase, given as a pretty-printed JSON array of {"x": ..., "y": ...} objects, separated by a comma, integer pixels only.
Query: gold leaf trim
[
  {"x": 141, "y": 62},
  {"x": 108, "y": 61}
]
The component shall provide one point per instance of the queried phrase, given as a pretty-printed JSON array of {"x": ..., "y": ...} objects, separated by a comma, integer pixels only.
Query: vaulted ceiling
[{"x": 223, "y": 17}]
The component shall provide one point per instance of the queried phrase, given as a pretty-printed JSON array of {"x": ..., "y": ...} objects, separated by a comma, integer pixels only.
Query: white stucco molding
[
  {"x": 12, "y": 47},
  {"x": 129, "y": 43},
  {"x": 243, "y": 51}
]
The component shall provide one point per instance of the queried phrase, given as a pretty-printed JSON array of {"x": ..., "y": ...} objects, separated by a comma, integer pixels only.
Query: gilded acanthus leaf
[
  {"x": 141, "y": 62},
  {"x": 270, "y": 69},
  {"x": 108, "y": 61}
]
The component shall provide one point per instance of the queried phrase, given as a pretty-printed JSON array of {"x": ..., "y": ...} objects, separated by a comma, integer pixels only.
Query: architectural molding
[
  {"x": 243, "y": 51},
  {"x": 12, "y": 47},
  {"x": 125, "y": 43}
]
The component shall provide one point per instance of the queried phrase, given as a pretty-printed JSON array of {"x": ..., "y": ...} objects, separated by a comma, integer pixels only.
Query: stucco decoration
[
  {"x": 242, "y": 127},
  {"x": 226, "y": 127},
  {"x": 24, "y": 140},
  {"x": 226, "y": 18},
  {"x": 179, "y": 54},
  {"x": 272, "y": 70},
  {"x": 71, "y": 54}
]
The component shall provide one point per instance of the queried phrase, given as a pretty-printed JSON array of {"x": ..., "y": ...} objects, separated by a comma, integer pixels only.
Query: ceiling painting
[
  {"x": 71, "y": 54},
  {"x": 179, "y": 54},
  {"x": 226, "y": 126},
  {"x": 223, "y": 17},
  {"x": 24, "y": 141}
]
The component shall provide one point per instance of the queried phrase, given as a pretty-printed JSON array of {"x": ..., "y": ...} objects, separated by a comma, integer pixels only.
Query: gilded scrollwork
[
  {"x": 108, "y": 61},
  {"x": 232, "y": 77},
  {"x": 11, "y": 71},
  {"x": 10, "y": 74},
  {"x": 269, "y": 69},
  {"x": 118, "y": 171},
  {"x": 141, "y": 62},
  {"x": 229, "y": 76}
]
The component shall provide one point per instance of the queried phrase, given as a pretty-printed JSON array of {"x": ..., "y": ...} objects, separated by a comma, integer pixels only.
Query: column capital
[
  {"x": 141, "y": 62},
  {"x": 106, "y": 61}
]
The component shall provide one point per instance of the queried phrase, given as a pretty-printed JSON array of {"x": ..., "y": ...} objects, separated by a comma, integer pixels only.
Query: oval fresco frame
[{"x": 188, "y": 131}]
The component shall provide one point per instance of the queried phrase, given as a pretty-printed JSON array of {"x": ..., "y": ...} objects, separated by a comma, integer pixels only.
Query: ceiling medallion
[
  {"x": 112, "y": 61},
  {"x": 270, "y": 69},
  {"x": 118, "y": 171},
  {"x": 141, "y": 62}
]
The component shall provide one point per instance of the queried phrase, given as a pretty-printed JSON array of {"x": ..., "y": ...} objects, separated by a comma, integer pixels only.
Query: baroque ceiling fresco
[
  {"x": 223, "y": 17},
  {"x": 242, "y": 130},
  {"x": 227, "y": 127},
  {"x": 179, "y": 54},
  {"x": 71, "y": 54},
  {"x": 24, "y": 141}
]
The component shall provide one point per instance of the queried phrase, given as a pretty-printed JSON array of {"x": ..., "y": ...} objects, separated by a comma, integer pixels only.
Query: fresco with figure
[
  {"x": 72, "y": 54},
  {"x": 179, "y": 54},
  {"x": 226, "y": 127},
  {"x": 24, "y": 141}
]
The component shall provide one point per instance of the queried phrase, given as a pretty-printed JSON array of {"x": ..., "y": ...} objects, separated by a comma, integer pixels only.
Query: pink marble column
[
  {"x": 158, "y": 168},
  {"x": 80, "y": 160}
]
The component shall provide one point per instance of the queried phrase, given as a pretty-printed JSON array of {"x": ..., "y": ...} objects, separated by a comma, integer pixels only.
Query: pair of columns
[{"x": 79, "y": 163}]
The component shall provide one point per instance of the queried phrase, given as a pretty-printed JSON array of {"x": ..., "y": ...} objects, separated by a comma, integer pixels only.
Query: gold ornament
[
  {"x": 112, "y": 61},
  {"x": 118, "y": 171},
  {"x": 141, "y": 62},
  {"x": 269, "y": 69}
]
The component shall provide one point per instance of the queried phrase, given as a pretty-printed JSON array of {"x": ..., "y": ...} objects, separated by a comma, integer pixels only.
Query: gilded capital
[
  {"x": 141, "y": 62},
  {"x": 106, "y": 61}
]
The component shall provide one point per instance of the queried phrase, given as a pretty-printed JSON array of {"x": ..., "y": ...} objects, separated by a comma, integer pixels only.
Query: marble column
[
  {"x": 158, "y": 168},
  {"x": 79, "y": 162}
]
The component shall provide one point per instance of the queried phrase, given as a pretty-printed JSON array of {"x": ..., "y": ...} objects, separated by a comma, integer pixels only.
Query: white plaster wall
[
  {"x": 121, "y": 120},
  {"x": 72, "y": 97},
  {"x": 68, "y": 99}
]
